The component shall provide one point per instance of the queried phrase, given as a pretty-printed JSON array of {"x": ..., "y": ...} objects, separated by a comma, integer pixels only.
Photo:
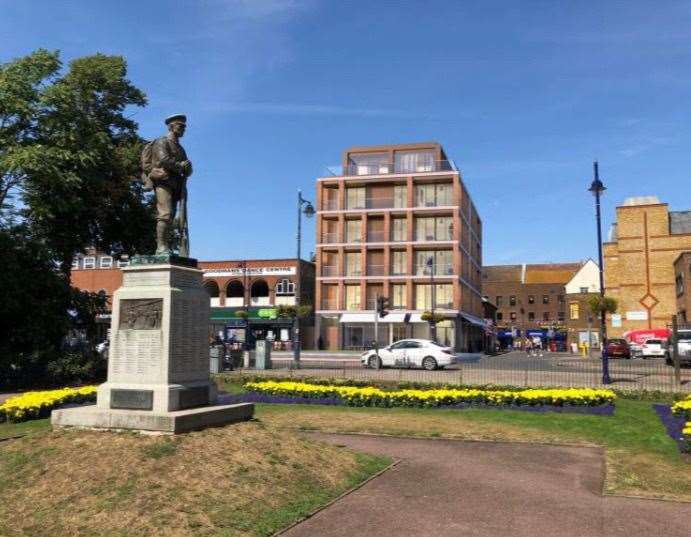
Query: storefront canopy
[
  {"x": 472, "y": 319},
  {"x": 361, "y": 317}
]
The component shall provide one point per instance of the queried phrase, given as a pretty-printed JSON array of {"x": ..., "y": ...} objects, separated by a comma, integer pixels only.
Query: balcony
[
  {"x": 386, "y": 168},
  {"x": 329, "y": 304},
  {"x": 376, "y": 236},
  {"x": 434, "y": 237},
  {"x": 440, "y": 269},
  {"x": 375, "y": 270},
  {"x": 329, "y": 238},
  {"x": 330, "y": 205},
  {"x": 353, "y": 272},
  {"x": 355, "y": 238},
  {"x": 353, "y": 306},
  {"x": 329, "y": 270}
]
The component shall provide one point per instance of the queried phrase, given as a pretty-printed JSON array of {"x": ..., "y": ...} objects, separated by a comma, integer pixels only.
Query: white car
[
  {"x": 654, "y": 347},
  {"x": 410, "y": 353}
]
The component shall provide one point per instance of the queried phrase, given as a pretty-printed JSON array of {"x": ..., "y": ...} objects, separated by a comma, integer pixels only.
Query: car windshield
[
  {"x": 653, "y": 342},
  {"x": 617, "y": 341},
  {"x": 685, "y": 336}
]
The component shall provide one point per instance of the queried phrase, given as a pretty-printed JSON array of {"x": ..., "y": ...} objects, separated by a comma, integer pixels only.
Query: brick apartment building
[
  {"x": 532, "y": 299},
  {"x": 639, "y": 263},
  {"x": 257, "y": 285},
  {"x": 393, "y": 211},
  {"x": 682, "y": 271}
]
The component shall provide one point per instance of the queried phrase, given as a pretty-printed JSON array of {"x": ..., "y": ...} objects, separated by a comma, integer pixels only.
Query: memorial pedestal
[{"x": 158, "y": 364}]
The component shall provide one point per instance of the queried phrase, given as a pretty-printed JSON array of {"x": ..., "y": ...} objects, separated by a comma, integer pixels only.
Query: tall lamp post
[
  {"x": 433, "y": 320},
  {"x": 597, "y": 188},
  {"x": 305, "y": 207}
]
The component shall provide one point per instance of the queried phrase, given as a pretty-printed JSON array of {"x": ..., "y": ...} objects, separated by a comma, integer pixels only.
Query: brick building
[
  {"x": 530, "y": 299},
  {"x": 682, "y": 276},
  {"x": 393, "y": 215},
  {"x": 257, "y": 286},
  {"x": 639, "y": 263}
]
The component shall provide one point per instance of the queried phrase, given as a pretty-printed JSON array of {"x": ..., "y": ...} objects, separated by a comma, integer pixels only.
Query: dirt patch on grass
[{"x": 245, "y": 479}]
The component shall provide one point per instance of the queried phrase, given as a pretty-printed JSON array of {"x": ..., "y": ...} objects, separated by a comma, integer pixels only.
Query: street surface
[
  {"x": 449, "y": 488},
  {"x": 513, "y": 368}
]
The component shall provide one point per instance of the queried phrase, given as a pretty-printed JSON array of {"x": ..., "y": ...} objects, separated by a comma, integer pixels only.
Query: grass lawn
[
  {"x": 641, "y": 458},
  {"x": 247, "y": 479}
]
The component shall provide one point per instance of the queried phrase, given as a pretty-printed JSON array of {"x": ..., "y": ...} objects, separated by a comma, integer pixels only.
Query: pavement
[{"x": 455, "y": 488}]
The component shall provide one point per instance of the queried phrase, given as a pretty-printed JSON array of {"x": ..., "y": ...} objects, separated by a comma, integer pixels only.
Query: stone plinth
[{"x": 158, "y": 363}]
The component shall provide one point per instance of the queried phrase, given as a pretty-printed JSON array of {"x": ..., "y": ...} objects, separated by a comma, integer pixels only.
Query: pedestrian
[
  {"x": 537, "y": 345},
  {"x": 528, "y": 346}
]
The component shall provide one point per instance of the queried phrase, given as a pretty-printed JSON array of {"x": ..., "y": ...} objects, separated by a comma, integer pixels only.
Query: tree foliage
[
  {"x": 303, "y": 311},
  {"x": 598, "y": 304},
  {"x": 432, "y": 318}
]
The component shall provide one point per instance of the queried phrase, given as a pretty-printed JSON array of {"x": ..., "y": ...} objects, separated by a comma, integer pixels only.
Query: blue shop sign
[
  {"x": 538, "y": 333},
  {"x": 508, "y": 333}
]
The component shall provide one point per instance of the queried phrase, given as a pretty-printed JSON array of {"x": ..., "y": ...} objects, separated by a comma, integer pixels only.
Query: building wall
[
  {"x": 639, "y": 270},
  {"x": 682, "y": 271}
]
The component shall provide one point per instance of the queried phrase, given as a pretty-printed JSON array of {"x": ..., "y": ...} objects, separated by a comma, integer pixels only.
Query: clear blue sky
[{"x": 523, "y": 95}]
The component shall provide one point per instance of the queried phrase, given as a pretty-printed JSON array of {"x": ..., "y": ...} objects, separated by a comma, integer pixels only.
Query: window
[
  {"x": 399, "y": 229},
  {"x": 352, "y": 296},
  {"x": 560, "y": 299},
  {"x": 500, "y": 316},
  {"x": 368, "y": 164},
  {"x": 398, "y": 298},
  {"x": 353, "y": 266},
  {"x": 123, "y": 262},
  {"x": 531, "y": 315},
  {"x": 512, "y": 315},
  {"x": 399, "y": 263},
  {"x": 434, "y": 228},
  {"x": 443, "y": 296},
  {"x": 105, "y": 262},
  {"x": 545, "y": 315},
  {"x": 498, "y": 302},
  {"x": 584, "y": 290},
  {"x": 355, "y": 198},
  {"x": 285, "y": 287},
  {"x": 574, "y": 311},
  {"x": 545, "y": 299},
  {"x": 414, "y": 161},
  {"x": 680, "y": 284},
  {"x": 442, "y": 262},
  {"x": 400, "y": 196},
  {"x": 531, "y": 299},
  {"x": 561, "y": 316},
  {"x": 433, "y": 195},
  {"x": 75, "y": 263},
  {"x": 89, "y": 262},
  {"x": 512, "y": 300},
  {"x": 353, "y": 230}
]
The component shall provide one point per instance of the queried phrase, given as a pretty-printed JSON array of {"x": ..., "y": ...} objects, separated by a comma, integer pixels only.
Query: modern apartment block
[{"x": 397, "y": 222}]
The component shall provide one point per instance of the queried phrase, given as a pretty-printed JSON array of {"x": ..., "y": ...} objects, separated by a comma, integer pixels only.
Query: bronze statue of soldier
[{"x": 165, "y": 169}]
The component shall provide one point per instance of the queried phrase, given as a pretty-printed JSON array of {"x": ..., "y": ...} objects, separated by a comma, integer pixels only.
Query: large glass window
[
  {"x": 369, "y": 164},
  {"x": 105, "y": 262},
  {"x": 574, "y": 310},
  {"x": 353, "y": 230},
  {"x": 442, "y": 262},
  {"x": 89, "y": 262},
  {"x": 443, "y": 296},
  {"x": 414, "y": 161},
  {"x": 399, "y": 229},
  {"x": 355, "y": 198},
  {"x": 431, "y": 228},
  {"x": 433, "y": 195},
  {"x": 400, "y": 196},
  {"x": 353, "y": 266},
  {"x": 398, "y": 298},
  {"x": 352, "y": 296},
  {"x": 399, "y": 263}
]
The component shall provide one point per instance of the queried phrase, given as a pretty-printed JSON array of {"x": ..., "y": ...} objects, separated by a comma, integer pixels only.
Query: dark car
[{"x": 618, "y": 348}]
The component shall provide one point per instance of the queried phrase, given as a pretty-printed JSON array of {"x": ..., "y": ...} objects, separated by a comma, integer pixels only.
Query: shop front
[{"x": 241, "y": 331}]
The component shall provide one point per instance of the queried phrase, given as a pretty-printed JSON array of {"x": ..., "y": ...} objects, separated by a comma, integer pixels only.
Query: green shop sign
[{"x": 267, "y": 313}]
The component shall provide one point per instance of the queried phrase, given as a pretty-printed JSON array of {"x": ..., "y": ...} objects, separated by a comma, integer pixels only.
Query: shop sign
[
  {"x": 616, "y": 320},
  {"x": 249, "y": 271},
  {"x": 267, "y": 313},
  {"x": 636, "y": 315}
]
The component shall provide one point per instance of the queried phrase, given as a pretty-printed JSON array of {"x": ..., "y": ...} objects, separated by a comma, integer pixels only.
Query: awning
[
  {"x": 369, "y": 318},
  {"x": 472, "y": 319}
]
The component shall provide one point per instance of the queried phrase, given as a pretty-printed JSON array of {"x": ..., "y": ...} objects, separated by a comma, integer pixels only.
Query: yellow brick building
[{"x": 639, "y": 263}]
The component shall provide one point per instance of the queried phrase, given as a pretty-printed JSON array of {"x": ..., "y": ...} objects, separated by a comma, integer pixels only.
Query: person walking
[
  {"x": 528, "y": 346},
  {"x": 537, "y": 345}
]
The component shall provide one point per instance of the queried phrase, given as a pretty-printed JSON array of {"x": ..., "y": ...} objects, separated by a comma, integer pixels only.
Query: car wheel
[
  {"x": 668, "y": 360},
  {"x": 429, "y": 363},
  {"x": 374, "y": 362}
]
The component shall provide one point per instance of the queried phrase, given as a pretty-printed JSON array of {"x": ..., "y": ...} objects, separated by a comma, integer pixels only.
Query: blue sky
[{"x": 523, "y": 95}]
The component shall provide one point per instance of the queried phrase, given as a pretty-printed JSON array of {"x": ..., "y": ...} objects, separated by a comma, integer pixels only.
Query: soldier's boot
[{"x": 162, "y": 238}]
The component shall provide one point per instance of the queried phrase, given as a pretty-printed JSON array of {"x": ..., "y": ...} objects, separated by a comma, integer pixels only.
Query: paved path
[{"x": 476, "y": 489}]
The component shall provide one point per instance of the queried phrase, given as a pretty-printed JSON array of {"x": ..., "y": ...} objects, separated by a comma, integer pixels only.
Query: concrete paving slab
[{"x": 480, "y": 489}]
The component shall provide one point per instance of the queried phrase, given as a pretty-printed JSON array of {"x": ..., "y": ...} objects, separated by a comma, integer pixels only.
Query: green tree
[
  {"x": 303, "y": 311},
  {"x": 598, "y": 304}
]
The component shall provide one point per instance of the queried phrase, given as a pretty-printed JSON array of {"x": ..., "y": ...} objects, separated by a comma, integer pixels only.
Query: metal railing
[
  {"x": 353, "y": 239},
  {"x": 329, "y": 238},
  {"x": 353, "y": 306},
  {"x": 329, "y": 304},
  {"x": 353, "y": 271},
  {"x": 421, "y": 237},
  {"x": 440, "y": 269},
  {"x": 330, "y": 205},
  {"x": 329, "y": 270},
  {"x": 375, "y": 270},
  {"x": 386, "y": 168}
]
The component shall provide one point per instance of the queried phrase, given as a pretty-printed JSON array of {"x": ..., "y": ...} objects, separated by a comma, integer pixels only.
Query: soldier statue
[{"x": 165, "y": 170}]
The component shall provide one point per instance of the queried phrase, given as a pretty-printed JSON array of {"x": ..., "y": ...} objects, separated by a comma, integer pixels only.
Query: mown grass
[
  {"x": 246, "y": 479},
  {"x": 642, "y": 459}
]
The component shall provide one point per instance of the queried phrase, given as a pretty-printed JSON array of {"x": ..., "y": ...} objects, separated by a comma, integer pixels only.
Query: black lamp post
[
  {"x": 305, "y": 207},
  {"x": 597, "y": 188},
  {"x": 433, "y": 320}
]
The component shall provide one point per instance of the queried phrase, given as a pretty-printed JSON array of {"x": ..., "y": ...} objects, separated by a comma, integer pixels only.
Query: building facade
[
  {"x": 639, "y": 264},
  {"x": 397, "y": 222},
  {"x": 257, "y": 286},
  {"x": 682, "y": 281},
  {"x": 582, "y": 325},
  {"x": 530, "y": 300}
]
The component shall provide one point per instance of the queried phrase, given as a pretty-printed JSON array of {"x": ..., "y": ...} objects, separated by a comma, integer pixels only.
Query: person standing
[{"x": 528, "y": 345}]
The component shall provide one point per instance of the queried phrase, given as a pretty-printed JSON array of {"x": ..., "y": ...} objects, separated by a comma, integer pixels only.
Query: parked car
[
  {"x": 683, "y": 348},
  {"x": 654, "y": 348},
  {"x": 618, "y": 348},
  {"x": 411, "y": 353}
]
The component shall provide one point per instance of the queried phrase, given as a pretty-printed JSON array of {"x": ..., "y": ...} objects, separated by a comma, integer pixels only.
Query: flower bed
[
  {"x": 682, "y": 409},
  {"x": 444, "y": 397},
  {"x": 33, "y": 405}
]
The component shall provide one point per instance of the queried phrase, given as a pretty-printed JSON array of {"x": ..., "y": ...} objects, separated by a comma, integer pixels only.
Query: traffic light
[{"x": 382, "y": 306}]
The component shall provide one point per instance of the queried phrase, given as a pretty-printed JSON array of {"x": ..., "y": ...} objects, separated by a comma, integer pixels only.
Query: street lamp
[
  {"x": 433, "y": 320},
  {"x": 597, "y": 188},
  {"x": 305, "y": 207}
]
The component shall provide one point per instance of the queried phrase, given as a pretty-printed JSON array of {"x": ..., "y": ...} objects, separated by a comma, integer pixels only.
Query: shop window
[
  {"x": 89, "y": 262},
  {"x": 105, "y": 262},
  {"x": 512, "y": 300},
  {"x": 285, "y": 287},
  {"x": 574, "y": 311}
]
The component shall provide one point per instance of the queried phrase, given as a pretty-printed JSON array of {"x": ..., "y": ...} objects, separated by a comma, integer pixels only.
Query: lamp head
[{"x": 308, "y": 210}]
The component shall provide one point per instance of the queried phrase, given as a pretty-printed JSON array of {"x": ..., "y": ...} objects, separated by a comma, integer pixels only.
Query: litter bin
[
  {"x": 215, "y": 358},
  {"x": 263, "y": 354}
]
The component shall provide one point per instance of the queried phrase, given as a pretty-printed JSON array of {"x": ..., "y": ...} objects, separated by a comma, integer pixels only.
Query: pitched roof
[
  {"x": 502, "y": 273},
  {"x": 551, "y": 272}
]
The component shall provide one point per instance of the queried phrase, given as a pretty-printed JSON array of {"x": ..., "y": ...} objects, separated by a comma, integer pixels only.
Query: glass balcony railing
[
  {"x": 330, "y": 205},
  {"x": 329, "y": 270},
  {"x": 353, "y": 306},
  {"x": 385, "y": 168},
  {"x": 440, "y": 269},
  {"x": 329, "y": 238},
  {"x": 376, "y": 203},
  {"x": 354, "y": 238},
  {"x": 329, "y": 304},
  {"x": 353, "y": 271}
]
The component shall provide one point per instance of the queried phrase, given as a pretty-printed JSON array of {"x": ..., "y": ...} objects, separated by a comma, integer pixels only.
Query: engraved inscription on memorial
[
  {"x": 141, "y": 314},
  {"x": 132, "y": 399}
]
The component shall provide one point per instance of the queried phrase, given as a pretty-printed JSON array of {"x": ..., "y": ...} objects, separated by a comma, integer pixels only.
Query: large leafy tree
[{"x": 68, "y": 147}]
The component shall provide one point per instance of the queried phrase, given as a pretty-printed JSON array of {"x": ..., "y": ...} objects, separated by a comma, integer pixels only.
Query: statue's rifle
[{"x": 184, "y": 230}]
